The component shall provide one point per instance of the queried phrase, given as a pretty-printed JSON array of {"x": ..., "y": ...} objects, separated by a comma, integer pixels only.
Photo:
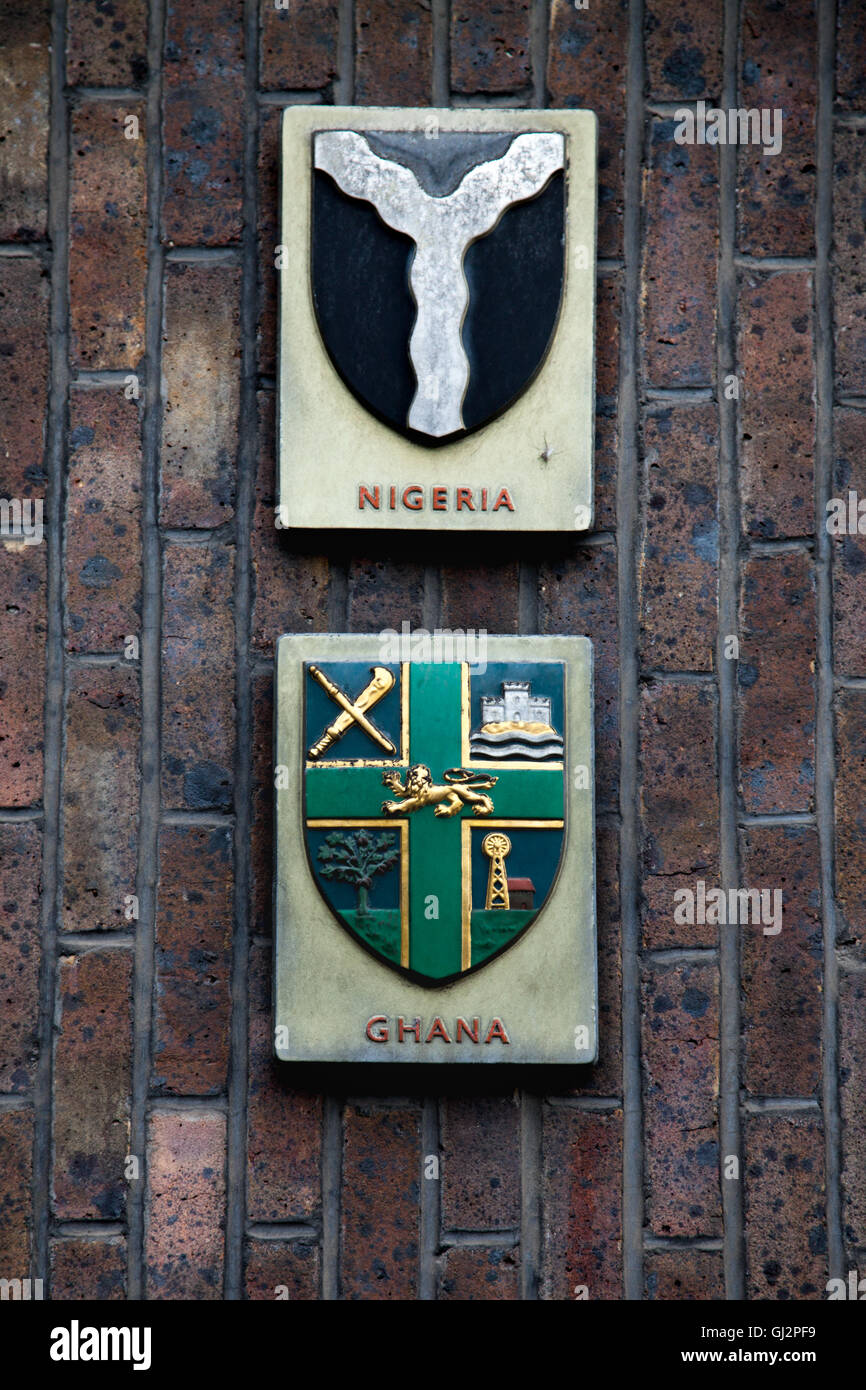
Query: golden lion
[{"x": 420, "y": 790}]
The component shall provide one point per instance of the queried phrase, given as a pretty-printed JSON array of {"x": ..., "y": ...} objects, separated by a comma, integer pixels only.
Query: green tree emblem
[{"x": 356, "y": 859}]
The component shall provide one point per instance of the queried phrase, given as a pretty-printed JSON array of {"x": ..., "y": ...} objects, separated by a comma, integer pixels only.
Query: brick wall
[{"x": 151, "y": 1146}]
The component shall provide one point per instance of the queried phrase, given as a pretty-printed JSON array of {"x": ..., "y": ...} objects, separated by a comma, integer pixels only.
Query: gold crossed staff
[{"x": 353, "y": 710}]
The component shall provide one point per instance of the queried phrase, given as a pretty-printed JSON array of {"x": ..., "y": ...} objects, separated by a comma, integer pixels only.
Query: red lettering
[
  {"x": 471, "y": 1033},
  {"x": 503, "y": 500},
  {"x": 403, "y": 1027},
  {"x": 439, "y": 502},
  {"x": 413, "y": 506},
  {"x": 382, "y": 1034},
  {"x": 464, "y": 499},
  {"x": 484, "y": 499},
  {"x": 365, "y": 496},
  {"x": 497, "y": 1030},
  {"x": 393, "y": 503},
  {"x": 438, "y": 1030}
]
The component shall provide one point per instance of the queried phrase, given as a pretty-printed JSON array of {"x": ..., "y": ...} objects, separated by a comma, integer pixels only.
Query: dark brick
[
  {"x": 777, "y": 684},
  {"x": 783, "y": 1189},
  {"x": 381, "y": 1195},
  {"x": 577, "y": 594},
  {"x": 290, "y": 583},
  {"x": 683, "y": 49},
  {"x": 268, "y": 237},
  {"x": 490, "y": 46},
  {"x": 101, "y": 798},
  {"x": 393, "y": 53},
  {"x": 850, "y": 47},
  {"x": 262, "y": 815},
  {"x": 582, "y": 1196},
  {"x": 480, "y": 1171},
  {"x": 25, "y": 57},
  {"x": 608, "y": 295},
  {"x": 284, "y": 1123},
  {"x": 193, "y": 960},
  {"x": 103, "y": 525},
  {"x": 680, "y": 1032},
  {"x": 852, "y": 1095},
  {"x": 679, "y": 573},
  {"x": 280, "y": 1270},
  {"x": 384, "y": 594},
  {"x": 679, "y": 310},
  {"x": 22, "y": 678},
  {"x": 777, "y": 413},
  {"x": 88, "y": 1269},
  {"x": 16, "y": 1147},
  {"x": 779, "y": 73},
  {"x": 186, "y": 1205},
  {"x": 198, "y": 678},
  {"x": 472, "y": 1274},
  {"x": 298, "y": 45},
  {"x": 849, "y": 557},
  {"x": 92, "y": 1079},
  {"x": 203, "y": 123},
  {"x": 482, "y": 596},
  {"x": 106, "y": 44},
  {"x": 201, "y": 375},
  {"x": 24, "y": 378},
  {"x": 851, "y": 815},
  {"x": 586, "y": 67},
  {"x": 783, "y": 974},
  {"x": 679, "y": 806},
  {"x": 686, "y": 1274},
  {"x": 21, "y": 856},
  {"x": 107, "y": 235},
  {"x": 849, "y": 238}
]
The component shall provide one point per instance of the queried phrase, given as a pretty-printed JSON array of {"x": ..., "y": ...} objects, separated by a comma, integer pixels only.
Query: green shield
[{"x": 434, "y": 806}]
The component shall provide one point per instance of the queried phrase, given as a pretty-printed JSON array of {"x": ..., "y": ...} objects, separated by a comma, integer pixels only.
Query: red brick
[
  {"x": 849, "y": 237},
  {"x": 381, "y": 1194},
  {"x": 605, "y": 1077},
  {"x": 21, "y": 856},
  {"x": 284, "y": 1123},
  {"x": 384, "y": 594},
  {"x": 852, "y": 1096},
  {"x": 107, "y": 235},
  {"x": 100, "y": 797},
  {"x": 16, "y": 1145},
  {"x": 106, "y": 44},
  {"x": 850, "y": 47},
  {"x": 586, "y": 67},
  {"x": 24, "y": 379},
  {"x": 193, "y": 960},
  {"x": 608, "y": 296},
  {"x": 679, "y": 310},
  {"x": 582, "y": 1195},
  {"x": 777, "y": 413},
  {"x": 186, "y": 1205},
  {"x": 92, "y": 1079},
  {"x": 480, "y": 1171},
  {"x": 268, "y": 236},
  {"x": 279, "y": 1270},
  {"x": 393, "y": 53},
  {"x": 482, "y": 596},
  {"x": 201, "y": 375},
  {"x": 850, "y": 815},
  {"x": 103, "y": 525},
  {"x": 777, "y": 684},
  {"x": 679, "y": 807},
  {"x": 88, "y": 1269},
  {"x": 679, "y": 570},
  {"x": 849, "y": 558},
  {"x": 290, "y": 581},
  {"x": 472, "y": 1273},
  {"x": 298, "y": 45},
  {"x": 783, "y": 974},
  {"x": 685, "y": 1274},
  {"x": 490, "y": 45},
  {"x": 779, "y": 73},
  {"x": 22, "y": 672},
  {"x": 683, "y": 48},
  {"x": 198, "y": 678},
  {"x": 680, "y": 1032},
  {"x": 262, "y": 814},
  {"x": 203, "y": 123},
  {"x": 783, "y": 1188},
  {"x": 25, "y": 57},
  {"x": 577, "y": 593}
]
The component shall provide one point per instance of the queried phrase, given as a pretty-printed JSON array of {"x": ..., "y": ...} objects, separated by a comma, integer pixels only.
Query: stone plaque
[
  {"x": 435, "y": 893},
  {"x": 437, "y": 304}
]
